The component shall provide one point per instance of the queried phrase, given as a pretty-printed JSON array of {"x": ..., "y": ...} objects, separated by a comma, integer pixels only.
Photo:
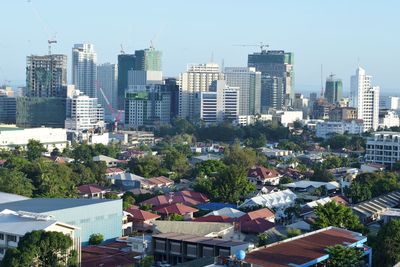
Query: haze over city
[{"x": 338, "y": 34}]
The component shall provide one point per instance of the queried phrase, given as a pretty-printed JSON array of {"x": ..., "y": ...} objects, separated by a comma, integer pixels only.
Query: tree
[
  {"x": 41, "y": 247},
  {"x": 333, "y": 214},
  {"x": 96, "y": 239},
  {"x": 176, "y": 217},
  {"x": 15, "y": 182},
  {"x": 147, "y": 261},
  {"x": 127, "y": 200},
  {"x": 341, "y": 256},
  {"x": 243, "y": 158},
  {"x": 387, "y": 245},
  {"x": 285, "y": 180},
  {"x": 111, "y": 195},
  {"x": 322, "y": 175},
  {"x": 147, "y": 166},
  {"x": 292, "y": 232},
  {"x": 208, "y": 168},
  {"x": 176, "y": 162},
  {"x": 34, "y": 149}
]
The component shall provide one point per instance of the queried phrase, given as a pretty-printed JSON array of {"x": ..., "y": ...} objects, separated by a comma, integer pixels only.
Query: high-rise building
[
  {"x": 389, "y": 102},
  {"x": 220, "y": 104},
  {"x": 83, "y": 113},
  {"x": 84, "y": 75},
  {"x": 147, "y": 105},
  {"x": 46, "y": 75},
  {"x": 333, "y": 90},
  {"x": 277, "y": 81},
  {"x": 107, "y": 76},
  {"x": 342, "y": 114},
  {"x": 365, "y": 98},
  {"x": 148, "y": 59},
  {"x": 197, "y": 78},
  {"x": 8, "y": 108},
  {"x": 126, "y": 62},
  {"x": 249, "y": 82}
]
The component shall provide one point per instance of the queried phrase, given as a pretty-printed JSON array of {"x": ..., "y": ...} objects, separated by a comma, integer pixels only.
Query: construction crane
[
  {"x": 116, "y": 114},
  {"x": 262, "y": 46},
  {"x": 51, "y": 41},
  {"x": 122, "y": 50}
]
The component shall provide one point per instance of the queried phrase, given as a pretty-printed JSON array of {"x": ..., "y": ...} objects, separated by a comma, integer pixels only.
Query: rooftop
[
  {"x": 262, "y": 173},
  {"x": 141, "y": 215},
  {"x": 303, "y": 250},
  {"x": 228, "y": 212},
  {"x": 378, "y": 204},
  {"x": 41, "y": 205},
  {"x": 215, "y": 206},
  {"x": 190, "y": 227},
  {"x": 7, "y": 197}
]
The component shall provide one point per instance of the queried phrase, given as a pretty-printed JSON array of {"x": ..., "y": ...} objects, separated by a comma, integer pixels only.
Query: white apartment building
[
  {"x": 11, "y": 137},
  {"x": 249, "y": 82},
  {"x": 328, "y": 128},
  {"x": 221, "y": 103},
  {"x": 244, "y": 120},
  {"x": 383, "y": 148},
  {"x": 390, "y": 102},
  {"x": 286, "y": 117},
  {"x": 84, "y": 71},
  {"x": 14, "y": 225},
  {"x": 107, "y": 78},
  {"x": 365, "y": 98},
  {"x": 197, "y": 78},
  {"x": 388, "y": 119},
  {"x": 83, "y": 113}
]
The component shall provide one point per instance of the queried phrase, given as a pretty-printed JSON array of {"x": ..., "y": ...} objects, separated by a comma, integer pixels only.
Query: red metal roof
[
  {"x": 214, "y": 218},
  {"x": 262, "y": 173},
  {"x": 263, "y": 213},
  {"x": 114, "y": 170},
  {"x": 94, "y": 256},
  {"x": 301, "y": 249},
  {"x": 188, "y": 198},
  {"x": 139, "y": 215},
  {"x": 256, "y": 226},
  {"x": 176, "y": 209},
  {"x": 90, "y": 189}
]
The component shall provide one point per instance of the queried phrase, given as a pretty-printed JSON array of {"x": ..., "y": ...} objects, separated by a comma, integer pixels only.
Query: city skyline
[{"x": 360, "y": 32}]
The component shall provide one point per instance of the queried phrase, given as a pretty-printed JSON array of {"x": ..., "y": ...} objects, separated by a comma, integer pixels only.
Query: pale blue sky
[{"x": 334, "y": 33}]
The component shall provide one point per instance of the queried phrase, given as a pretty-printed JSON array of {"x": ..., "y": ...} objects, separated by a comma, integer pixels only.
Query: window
[
  {"x": 12, "y": 238},
  {"x": 1, "y": 236}
]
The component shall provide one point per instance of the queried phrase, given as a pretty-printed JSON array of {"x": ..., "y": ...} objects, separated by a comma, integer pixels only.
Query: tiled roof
[
  {"x": 177, "y": 209},
  {"x": 114, "y": 170},
  {"x": 256, "y": 226},
  {"x": 302, "y": 250},
  {"x": 94, "y": 256},
  {"x": 257, "y": 214},
  {"x": 90, "y": 189},
  {"x": 160, "y": 180},
  {"x": 262, "y": 173},
  {"x": 188, "y": 198},
  {"x": 139, "y": 215}
]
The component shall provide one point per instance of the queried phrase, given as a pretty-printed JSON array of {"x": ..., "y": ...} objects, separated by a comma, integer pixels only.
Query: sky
[{"x": 340, "y": 34}]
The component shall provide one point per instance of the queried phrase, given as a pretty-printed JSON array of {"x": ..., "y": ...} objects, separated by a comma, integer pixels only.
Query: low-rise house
[
  {"x": 110, "y": 162},
  {"x": 227, "y": 212},
  {"x": 91, "y": 191},
  {"x": 114, "y": 171},
  {"x": 131, "y": 154},
  {"x": 277, "y": 200},
  {"x": 307, "y": 249},
  {"x": 205, "y": 157},
  {"x": 156, "y": 183},
  {"x": 126, "y": 180},
  {"x": 15, "y": 224},
  {"x": 260, "y": 176},
  {"x": 371, "y": 210},
  {"x": 138, "y": 244},
  {"x": 310, "y": 186},
  {"x": 212, "y": 206},
  {"x": 141, "y": 220},
  {"x": 258, "y": 221},
  {"x": 177, "y": 248},
  {"x": 188, "y": 198},
  {"x": 307, "y": 210},
  {"x": 390, "y": 214},
  {"x": 372, "y": 167},
  {"x": 275, "y": 152},
  {"x": 7, "y": 197},
  {"x": 263, "y": 213},
  {"x": 176, "y": 208},
  {"x": 95, "y": 256}
]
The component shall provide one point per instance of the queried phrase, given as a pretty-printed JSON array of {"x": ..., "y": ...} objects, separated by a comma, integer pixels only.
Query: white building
[
  {"x": 383, "y": 148},
  {"x": 286, "y": 117},
  {"x": 83, "y": 113},
  {"x": 275, "y": 200},
  {"x": 388, "y": 119},
  {"x": 84, "y": 74},
  {"x": 365, "y": 98},
  {"x": 390, "y": 102},
  {"x": 197, "y": 78},
  {"x": 107, "y": 78},
  {"x": 245, "y": 120},
  {"x": 249, "y": 82},
  {"x": 14, "y": 225},
  {"x": 222, "y": 103},
  {"x": 11, "y": 137},
  {"x": 144, "y": 77},
  {"x": 328, "y": 128}
]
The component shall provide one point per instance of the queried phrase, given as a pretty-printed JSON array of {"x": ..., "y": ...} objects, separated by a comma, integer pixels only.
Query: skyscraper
[
  {"x": 333, "y": 90},
  {"x": 249, "y": 82},
  {"x": 46, "y": 75},
  {"x": 84, "y": 70},
  {"x": 148, "y": 59},
  {"x": 197, "y": 78},
  {"x": 365, "y": 98},
  {"x": 277, "y": 77},
  {"x": 107, "y": 75},
  {"x": 126, "y": 62}
]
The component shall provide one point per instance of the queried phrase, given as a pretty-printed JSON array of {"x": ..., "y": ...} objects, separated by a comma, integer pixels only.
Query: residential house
[
  {"x": 110, "y": 162},
  {"x": 91, "y": 191},
  {"x": 141, "y": 220},
  {"x": 176, "y": 208},
  {"x": 260, "y": 176}
]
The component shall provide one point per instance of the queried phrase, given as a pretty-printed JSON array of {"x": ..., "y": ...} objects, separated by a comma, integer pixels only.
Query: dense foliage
[{"x": 341, "y": 256}]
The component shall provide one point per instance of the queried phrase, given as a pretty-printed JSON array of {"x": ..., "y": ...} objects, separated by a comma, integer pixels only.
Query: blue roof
[
  {"x": 215, "y": 206},
  {"x": 40, "y": 205}
]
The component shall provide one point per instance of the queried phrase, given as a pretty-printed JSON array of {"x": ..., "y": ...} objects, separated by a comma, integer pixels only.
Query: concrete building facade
[
  {"x": 84, "y": 71},
  {"x": 107, "y": 78},
  {"x": 383, "y": 148}
]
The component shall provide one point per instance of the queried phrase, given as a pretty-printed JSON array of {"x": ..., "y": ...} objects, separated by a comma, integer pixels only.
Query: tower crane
[
  {"x": 262, "y": 46},
  {"x": 116, "y": 114}
]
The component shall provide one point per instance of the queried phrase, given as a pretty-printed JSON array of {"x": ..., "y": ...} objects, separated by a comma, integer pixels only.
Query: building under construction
[{"x": 46, "y": 75}]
